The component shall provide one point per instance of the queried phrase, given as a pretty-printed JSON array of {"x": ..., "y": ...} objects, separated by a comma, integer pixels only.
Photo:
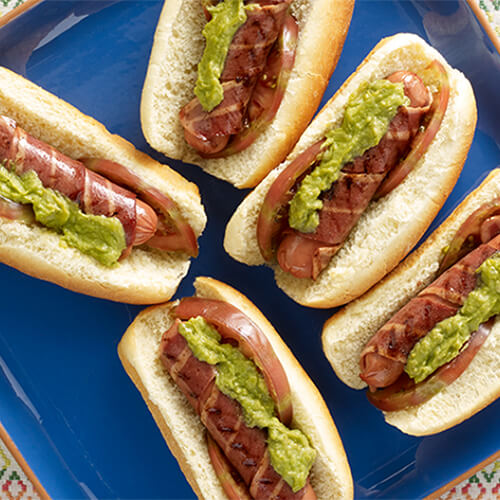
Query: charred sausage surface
[
  {"x": 384, "y": 357},
  {"x": 209, "y": 132},
  {"x": 306, "y": 255},
  {"x": 245, "y": 447},
  {"x": 94, "y": 194}
]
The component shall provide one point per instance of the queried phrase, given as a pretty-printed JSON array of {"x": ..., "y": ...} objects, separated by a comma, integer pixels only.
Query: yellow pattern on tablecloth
[{"x": 14, "y": 485}]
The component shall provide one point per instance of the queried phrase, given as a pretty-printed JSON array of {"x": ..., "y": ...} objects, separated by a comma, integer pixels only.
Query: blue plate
[{"x": 64, "y": 396}]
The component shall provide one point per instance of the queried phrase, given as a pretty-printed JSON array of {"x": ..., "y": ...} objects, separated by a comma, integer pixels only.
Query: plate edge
[
  {"x": 483, "y": 20},
  {"x": 17, "y": 11}
]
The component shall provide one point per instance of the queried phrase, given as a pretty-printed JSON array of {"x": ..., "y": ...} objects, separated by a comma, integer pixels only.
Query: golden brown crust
[{"x": 331, "y": 474}]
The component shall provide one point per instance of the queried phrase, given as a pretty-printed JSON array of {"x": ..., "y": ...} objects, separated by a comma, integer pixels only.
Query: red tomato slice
[
  {"x": 174, "y": 232},
  {"x": 269, "y": 90},
  {"x": 232, "y": 324},
  {"x": 231, "y": 482},
  {"x": 423, "y": 139},
  {"x": 271, "y": 216},
  {"x": 404, "y": 393},
  {"x": 468, "y": 235}
]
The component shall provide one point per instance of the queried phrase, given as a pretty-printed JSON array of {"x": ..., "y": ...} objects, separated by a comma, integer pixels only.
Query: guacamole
[
  {"x": 238, "y": 377},
  {"x": 446, "y": 339},
  {"x": 367, "y": 116},
  {"x": 227, "y": 17},
  {"x": 96, "y": 235}
]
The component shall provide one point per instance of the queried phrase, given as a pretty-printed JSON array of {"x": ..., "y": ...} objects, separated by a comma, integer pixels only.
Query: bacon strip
[
  {"x": 94, "y": 194},
  {"x": 306, "y": 255},
  {"x": 244, "y": 447},
  {"x": 209, "y": 132},
  {"x": 384, "y": 357},
  {"x": 480, "y": 227}
]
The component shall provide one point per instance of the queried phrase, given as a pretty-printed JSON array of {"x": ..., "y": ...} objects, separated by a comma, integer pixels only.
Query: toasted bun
[
  {"x": 147, "y": 275},
  {"x": 346, "y": 333},
  {"x": 391, "y": 226},
  {"x": 172, "y": 73},
  {"x": 182, "y": 428}
]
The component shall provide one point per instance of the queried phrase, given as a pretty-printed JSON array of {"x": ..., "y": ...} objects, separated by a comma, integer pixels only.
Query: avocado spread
[
  {"x": 238, "y": 377},
  {"x": 367, "y": 116},
  {"x": 227, "y": 17},
  {"x": 101, "y": 237},
  {"x": 446, "y": 339}
]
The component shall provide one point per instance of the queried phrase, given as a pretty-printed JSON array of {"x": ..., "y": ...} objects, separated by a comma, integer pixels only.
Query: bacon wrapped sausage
[
  {"x": 244, "y": 447},
  {"x": 305, "y": 255},
  {"x": 96, "y": 194},
  {"x": 250, "y": 80},
  {"x": 384, "y": 357}
]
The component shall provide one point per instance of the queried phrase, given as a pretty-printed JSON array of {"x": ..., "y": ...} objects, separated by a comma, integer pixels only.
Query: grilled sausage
[
  {"x": 384, "y": 357},
  {"x": 95, "y": 194},
  {"x": 245, "y": 447},
  {"x": 306, "y": 255}
]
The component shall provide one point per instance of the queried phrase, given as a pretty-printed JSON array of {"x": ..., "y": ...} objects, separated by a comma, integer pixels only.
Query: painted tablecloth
[{"x": 14, "y": 484}]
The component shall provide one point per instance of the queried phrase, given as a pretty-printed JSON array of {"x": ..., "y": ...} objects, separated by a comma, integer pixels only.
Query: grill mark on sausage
[
  {"x": 245, "y": 62},
  {"x": 245, "y": 447},
  {"x": 350, "y": 195},
  {"x": 440, "y": 300}
]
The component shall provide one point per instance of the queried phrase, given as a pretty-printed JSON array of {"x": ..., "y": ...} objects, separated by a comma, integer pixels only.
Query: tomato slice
[
  {"x": 233, "y": 325},
  {"x": 269, "y": 90},
  {"x": 468, "y": 235},
  {"x": 16, "y": 211},
  {"x": 404, "y": 393},
  {"x": 271, "y": 215},
  {"x": 174, "y": 232},
  {"x": 423, "y": 139},
  {"x": 231, "y": 482}
]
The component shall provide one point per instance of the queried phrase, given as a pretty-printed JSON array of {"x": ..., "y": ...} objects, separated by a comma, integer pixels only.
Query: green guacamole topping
[
  {"x": 238, "y": 377},
  {"x": 227, "y": 17},
  {"x": 101, "y": 237},
  {"x": 367, "y": 116},
  {"x": 446, "y": 339}
]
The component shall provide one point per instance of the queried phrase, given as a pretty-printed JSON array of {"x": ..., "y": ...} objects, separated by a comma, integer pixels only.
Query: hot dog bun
[
  {"x": 346, "y": 333},
  {"x": 390, "y": 227},
  {"x": 182, "y": 428},
  {"x": 172, "y": 74},
  {"x": 147, "y": 275}
]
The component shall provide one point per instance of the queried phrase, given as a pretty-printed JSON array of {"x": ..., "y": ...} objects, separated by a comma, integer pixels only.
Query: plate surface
[{"x": 64, "y": 397}]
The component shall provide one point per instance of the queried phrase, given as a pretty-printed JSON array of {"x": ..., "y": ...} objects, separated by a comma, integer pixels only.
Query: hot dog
[
  {"x": 208, "y": 131},
  {"x": 305, "y": 255},
  {"x": 239, "y": 121},
  {"x": 179, "y": 384},
  {"x": 79, "y": 205},
  {"x": 335, "y": 217},
  {"x": 431, "y": 330},
  {"x": 384, "y": 357},
  {"x": 22, "y": 153}
]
